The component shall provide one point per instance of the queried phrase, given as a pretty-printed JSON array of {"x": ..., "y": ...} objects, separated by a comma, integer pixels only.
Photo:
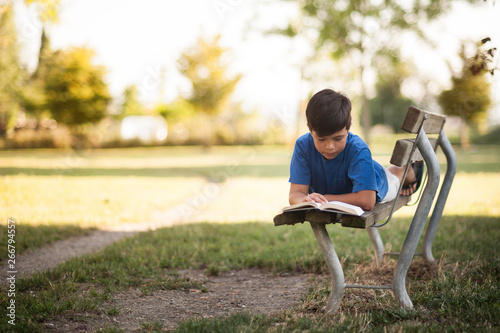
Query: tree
[
  {"x": 470, "y": 95},
  {"x": 47, "y": 9},
  {"x": 34, "y": 99},
  {"x": 205, "y": 65},
  {"x": 131, "y": 105},
  {"x": 10, "y": 73},
  {"x": 178, "y": 110},
  {"x": 362, "y": 30},
  {"x": 76, "y": 91},
  {"x": 389, "y": 106}
]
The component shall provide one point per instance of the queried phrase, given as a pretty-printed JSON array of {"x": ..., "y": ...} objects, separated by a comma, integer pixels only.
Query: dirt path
[
  {"x": 51, "y": 255},
  {"x": 255, "y": 291},
  {"x": 246, "y": 290}
]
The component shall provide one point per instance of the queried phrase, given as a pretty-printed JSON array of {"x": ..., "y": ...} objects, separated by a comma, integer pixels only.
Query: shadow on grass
[
  {"x": 213, "y": 172},
  {"x": 29, "y": 237},
  {"x": 474, "y": 167}
]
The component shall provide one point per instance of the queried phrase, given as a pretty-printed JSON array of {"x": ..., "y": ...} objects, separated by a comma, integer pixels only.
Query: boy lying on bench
[{"x": 331, "y": 164}]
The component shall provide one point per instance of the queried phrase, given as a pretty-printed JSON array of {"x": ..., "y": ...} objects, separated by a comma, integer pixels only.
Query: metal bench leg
[
  {"x": 333, "y": 263},
  {"x": 443, "y": 195},
  {"x": 377, "y": 244},
  {"x": 418, "y": 222}
]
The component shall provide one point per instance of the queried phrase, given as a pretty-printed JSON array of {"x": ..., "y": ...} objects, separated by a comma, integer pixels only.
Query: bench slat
[
  {"x": 402, "y": 151},
  {"x": 318, "y": 216},
  {"x": 290, "y": 218},
  {"x": 380, "y": 212},
  {"x": 301, "y": 216},
  {"x": 413, "y": 119}
]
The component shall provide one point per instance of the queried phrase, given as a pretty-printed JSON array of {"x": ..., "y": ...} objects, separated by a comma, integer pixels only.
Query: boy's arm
[
  {"x": 300, "y": 193},
  {"x": 365, "y": 199}
]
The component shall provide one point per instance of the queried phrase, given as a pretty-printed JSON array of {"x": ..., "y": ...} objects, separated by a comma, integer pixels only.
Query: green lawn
[
  {"x": 64, "y": 194},
  {"x": 57, "y": 194},
  {"x": 72, "y": 193}
]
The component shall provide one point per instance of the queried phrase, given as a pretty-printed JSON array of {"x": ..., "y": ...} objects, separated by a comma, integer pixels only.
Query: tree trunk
[
  {"x": 365, "y": 112},
  {"x": 464, "y": 134}
]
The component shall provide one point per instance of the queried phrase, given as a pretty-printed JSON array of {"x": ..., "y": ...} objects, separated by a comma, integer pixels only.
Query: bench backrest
[{"x": 432, "y": 123}]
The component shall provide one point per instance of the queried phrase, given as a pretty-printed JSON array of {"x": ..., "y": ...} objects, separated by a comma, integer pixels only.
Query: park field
[
  {"x": 225, "y": 199},
  {"x": 103, "y": 188}
]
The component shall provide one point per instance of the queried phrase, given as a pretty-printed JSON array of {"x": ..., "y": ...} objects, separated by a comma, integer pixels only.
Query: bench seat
[{"x": 380, "y": 212}]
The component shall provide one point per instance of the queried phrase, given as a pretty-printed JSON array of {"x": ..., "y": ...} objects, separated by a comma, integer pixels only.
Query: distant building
[{"x": 147, "y": 129}]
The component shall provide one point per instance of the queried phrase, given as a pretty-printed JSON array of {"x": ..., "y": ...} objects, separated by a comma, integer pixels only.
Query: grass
[
  {"x": 109, "y": 187},
  {"x": 66, "y": 194},
  {"x": 463, "y": 293},
  {"x": 30, "y": 236}
]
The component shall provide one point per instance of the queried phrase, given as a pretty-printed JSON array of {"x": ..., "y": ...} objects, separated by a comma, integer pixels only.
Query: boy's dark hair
[{"x": 328, "y": 112}]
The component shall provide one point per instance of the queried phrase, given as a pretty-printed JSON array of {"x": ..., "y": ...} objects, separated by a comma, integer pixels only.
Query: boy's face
[{"x": 332, "y": 145}]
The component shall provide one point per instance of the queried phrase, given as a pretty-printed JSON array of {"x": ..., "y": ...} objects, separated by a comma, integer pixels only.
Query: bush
[
  {"x": 28, "y": 138},
  {"x": 493, "y": 137}
]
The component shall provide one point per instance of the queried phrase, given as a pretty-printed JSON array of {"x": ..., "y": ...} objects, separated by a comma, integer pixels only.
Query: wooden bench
[{"x": 406, "y": 151}]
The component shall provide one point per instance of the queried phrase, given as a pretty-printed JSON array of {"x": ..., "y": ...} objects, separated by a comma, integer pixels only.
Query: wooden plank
[
  {"x": 402, "y": 151},
  {"x": 318, "y": 216},
  {"x": 301, "y": 216},
  {"x": 380, "y": 212},
  {"x": 432, "y": 125},
  {"x": 290, "y": 218}
]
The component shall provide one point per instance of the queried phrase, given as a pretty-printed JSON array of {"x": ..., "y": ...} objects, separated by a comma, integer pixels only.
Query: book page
[
  {"x": 342, "y": 206},
  {"x": 336, "y": 206},
  {"x": 302, "y": 205}
]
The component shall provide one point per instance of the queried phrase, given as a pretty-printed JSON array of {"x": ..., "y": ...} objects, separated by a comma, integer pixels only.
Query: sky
[{"x": 137, "y": 40}]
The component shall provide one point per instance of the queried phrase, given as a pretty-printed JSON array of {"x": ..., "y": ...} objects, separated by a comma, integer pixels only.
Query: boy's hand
[
  {"x": 298, "y": 193},
  {"x": 315, "y": 197}
]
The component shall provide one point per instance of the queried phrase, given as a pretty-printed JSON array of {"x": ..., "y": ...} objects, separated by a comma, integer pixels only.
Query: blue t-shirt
[{"x": 353, "y": 170}]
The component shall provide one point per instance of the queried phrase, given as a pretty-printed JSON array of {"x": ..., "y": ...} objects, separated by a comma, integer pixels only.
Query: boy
[{"x": 330, "y": 163}]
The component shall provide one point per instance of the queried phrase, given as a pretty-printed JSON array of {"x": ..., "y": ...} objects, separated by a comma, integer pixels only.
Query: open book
[{"x": 332, "y": 206}]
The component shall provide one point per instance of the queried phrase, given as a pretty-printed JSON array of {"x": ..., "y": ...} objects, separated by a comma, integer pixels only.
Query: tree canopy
[
  {"x": 470, "y": 95},
  {"x": 33, "y": 95},
  {"x": 363, "y": 30},
  {"x": 47, "y": 9},
  {"x": 10, "y": 73},
  {"x": 131, "y": 105},
  {"x": 389, "y": 106},
  {"x": 75, "y": 88},
  {"x": 205, "y": 65}
]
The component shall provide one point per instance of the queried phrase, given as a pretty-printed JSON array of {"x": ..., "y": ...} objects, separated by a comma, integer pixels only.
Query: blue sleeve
[
  {"x": 300, "y": 172},
  {"x": 362, "y": 173}
]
